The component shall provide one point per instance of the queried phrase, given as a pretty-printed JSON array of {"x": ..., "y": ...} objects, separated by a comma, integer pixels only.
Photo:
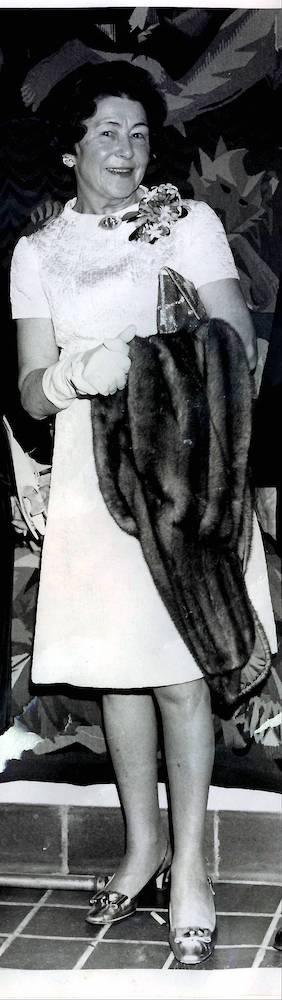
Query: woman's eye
[
  {"x": 107, "y": 132},
  {"x": 139, "y": 135}
]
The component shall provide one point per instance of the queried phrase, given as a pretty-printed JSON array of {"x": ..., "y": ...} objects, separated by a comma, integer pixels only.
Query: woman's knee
[{"x": 191, "y": 695}]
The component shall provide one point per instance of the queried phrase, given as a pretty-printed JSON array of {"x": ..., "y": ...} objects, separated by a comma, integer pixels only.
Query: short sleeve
[
  {"x": 206, "y": 254},
  {"x": 28, "y": 299}
]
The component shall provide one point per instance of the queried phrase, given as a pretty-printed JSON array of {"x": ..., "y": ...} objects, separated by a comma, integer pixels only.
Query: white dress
[{"x": 100, "y": 620}]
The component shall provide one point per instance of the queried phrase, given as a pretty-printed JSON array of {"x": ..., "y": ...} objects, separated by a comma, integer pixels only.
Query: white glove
[{"x": 103, "y": 369}]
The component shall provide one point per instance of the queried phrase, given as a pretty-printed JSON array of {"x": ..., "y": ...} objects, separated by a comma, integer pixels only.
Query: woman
[{"x": 81, "y": 290}]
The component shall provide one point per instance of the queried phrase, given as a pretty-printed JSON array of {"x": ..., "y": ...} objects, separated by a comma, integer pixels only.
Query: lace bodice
[{"x": 93, "y": 282}]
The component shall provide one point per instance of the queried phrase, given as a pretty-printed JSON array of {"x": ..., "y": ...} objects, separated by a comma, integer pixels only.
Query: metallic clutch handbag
[{"x": 178, "y": 303}]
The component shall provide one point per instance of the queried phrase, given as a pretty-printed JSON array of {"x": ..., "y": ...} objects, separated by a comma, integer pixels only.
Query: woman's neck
[{"x": 95, "y": 205}]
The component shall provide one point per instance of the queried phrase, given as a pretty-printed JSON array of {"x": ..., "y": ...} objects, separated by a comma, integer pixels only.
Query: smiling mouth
[{"x": 123, "y": 171}]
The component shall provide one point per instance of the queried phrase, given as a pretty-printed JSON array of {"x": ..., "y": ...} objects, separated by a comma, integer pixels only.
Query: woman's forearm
[
  {"x": 33, "y": 397},
  {"x": 242, "y": 322},
  {"x": 224, "y": 300}
]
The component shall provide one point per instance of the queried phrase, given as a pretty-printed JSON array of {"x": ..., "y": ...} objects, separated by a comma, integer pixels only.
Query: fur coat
[{"x": 171, "y": 452}]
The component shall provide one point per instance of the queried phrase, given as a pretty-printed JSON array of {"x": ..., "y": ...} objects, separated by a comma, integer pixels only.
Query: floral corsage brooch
[{"x": 158, "y": 211}]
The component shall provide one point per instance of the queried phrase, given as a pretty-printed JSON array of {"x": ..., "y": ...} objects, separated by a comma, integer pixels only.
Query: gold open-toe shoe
[
  {"x": 108, "y": 906},
  {"x": 192, "y": 945}
]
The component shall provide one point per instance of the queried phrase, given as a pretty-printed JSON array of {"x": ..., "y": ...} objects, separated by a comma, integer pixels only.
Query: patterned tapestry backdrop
[{"x": 221, "y": 72}]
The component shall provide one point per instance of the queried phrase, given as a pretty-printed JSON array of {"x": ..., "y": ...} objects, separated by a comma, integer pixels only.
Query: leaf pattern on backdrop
[{"x": 244, "y": 205}]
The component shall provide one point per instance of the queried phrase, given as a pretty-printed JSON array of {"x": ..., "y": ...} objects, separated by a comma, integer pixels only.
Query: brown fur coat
[{"x": 171, "y": 451}]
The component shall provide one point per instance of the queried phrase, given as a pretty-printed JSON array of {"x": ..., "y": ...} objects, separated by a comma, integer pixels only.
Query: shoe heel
[{"x": 162, "y": 879}]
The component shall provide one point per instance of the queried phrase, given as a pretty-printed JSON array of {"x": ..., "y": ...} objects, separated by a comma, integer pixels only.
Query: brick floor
[{"x": 47, "y": 930}]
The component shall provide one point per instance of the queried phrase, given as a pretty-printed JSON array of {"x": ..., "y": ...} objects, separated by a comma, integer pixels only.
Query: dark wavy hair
[{"x": 74, "y": 100}]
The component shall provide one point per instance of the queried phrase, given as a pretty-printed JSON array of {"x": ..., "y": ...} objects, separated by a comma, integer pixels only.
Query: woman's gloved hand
[{"x": 103, "y": 369}]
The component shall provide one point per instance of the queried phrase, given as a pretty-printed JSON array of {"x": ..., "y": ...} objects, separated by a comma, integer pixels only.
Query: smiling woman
[{"x": 87, "y": 295}]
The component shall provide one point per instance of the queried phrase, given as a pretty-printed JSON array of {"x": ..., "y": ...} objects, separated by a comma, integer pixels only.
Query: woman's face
[{"x": 111, "y": 159}]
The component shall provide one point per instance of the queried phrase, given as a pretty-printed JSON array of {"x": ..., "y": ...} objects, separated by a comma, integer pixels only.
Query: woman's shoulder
[
  {"x": 199, "y": 212},
  {"x": 203, "y": 244},
  {"x": 47, "y": 221},
  {"x": 48, "y": 230},
  {"x": 37, "y": 245}
]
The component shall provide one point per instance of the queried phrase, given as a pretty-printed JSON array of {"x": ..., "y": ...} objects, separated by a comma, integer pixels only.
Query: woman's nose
[{"x": 124, "y": 146}]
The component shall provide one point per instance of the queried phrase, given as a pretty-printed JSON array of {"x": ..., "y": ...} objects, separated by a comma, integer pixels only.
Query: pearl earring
[{"x": 68, "y": 160}]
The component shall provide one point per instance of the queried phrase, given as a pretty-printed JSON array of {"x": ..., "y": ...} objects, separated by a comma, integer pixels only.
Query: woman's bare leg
[
  {"x": 131, "y": 731},
  {"x": 189, "y": 747}
]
